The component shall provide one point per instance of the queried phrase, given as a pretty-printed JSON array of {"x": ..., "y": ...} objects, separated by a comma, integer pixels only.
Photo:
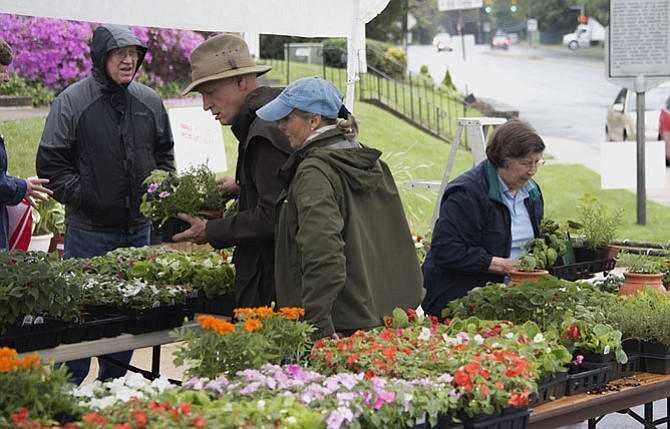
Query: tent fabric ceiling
[{"x": 306, "y": 18}]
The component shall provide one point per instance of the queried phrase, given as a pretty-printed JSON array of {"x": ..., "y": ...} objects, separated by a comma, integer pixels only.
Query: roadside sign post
[
  {"x": 459, "y": 5},
  {"x": 637, "y": 57}
]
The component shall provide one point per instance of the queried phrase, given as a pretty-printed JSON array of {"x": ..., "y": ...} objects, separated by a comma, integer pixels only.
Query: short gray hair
[{"x": 515, "y": 139}]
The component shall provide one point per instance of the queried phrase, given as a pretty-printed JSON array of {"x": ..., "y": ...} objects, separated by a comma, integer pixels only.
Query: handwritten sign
[{"x": 198, "y": 139}]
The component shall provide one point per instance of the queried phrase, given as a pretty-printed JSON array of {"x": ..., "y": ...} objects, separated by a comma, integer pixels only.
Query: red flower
[
  {"x": 95, "y": 418},
  {"x": 123, "y": 426},
  {"x": 573, "y": 333},
  {"x": 185, "y": 408},
  {"x": 20, "y": 416},
  {"x": 199, "y": 422},
  {"x": 140, "y": 416}
]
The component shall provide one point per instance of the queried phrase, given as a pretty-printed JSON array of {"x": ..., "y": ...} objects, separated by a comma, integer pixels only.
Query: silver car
[{"x": 622, "y": 114}]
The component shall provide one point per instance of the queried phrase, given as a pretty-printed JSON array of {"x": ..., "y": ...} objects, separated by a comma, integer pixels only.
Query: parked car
[
  {"x": 501, "y": 41},
  {"x": 621, "y": 122},
  {"x": 442, "y": 42},
  {"x": 664, "y": 129}
]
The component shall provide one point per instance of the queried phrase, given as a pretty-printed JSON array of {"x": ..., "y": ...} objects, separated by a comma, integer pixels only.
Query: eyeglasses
[
  {"x": 530, "y": 164},
  {"x": 121, "y": 54}
]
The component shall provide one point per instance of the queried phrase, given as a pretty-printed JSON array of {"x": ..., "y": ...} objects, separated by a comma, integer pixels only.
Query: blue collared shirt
[{"x": 522, "y": 228}]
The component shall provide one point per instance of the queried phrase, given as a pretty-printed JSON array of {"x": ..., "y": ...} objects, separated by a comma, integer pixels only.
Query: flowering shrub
[
  {"x": 31, "y": 392},
  {"x": 195, "y": 193},
  {"x": 260, "y": 335},
  {"x": 56, "y": 52}
]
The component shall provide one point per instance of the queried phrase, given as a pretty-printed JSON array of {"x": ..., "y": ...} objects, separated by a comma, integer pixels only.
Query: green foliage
[
  {"x": 195, "y": 193},
  {"x": 543, "y": 253},
  {"x": 596, "y": 224},
  {"x": 31, "y": 285},
  {"x": 49, "y": 217},
  {"x": 19, "y": 86},
  {"x": 41, "y": 390},
  {"x": 644, "y": 316},
  {"x": 586, "y": 336},
  {"x": 546, "y": 301},
  {"x": 257, "y": 338},
  {"x": 642, "y": 264}
]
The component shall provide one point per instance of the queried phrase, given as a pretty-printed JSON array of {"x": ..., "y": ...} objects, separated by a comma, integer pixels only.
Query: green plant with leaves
[
  {"x": 31, "y": 285},
  {"x": 545, "y": 251},
  {"x": 598, "y": 338},
  {"x": 259, "y": 336},
  {"x": 644, "y": 316},
  {"x": 641, "y": 263},
  {"x": 546, "y": 301},
  {"x": 48, "y": 217},
  {"x": 27, "y": 385},
  {"x": 596, "y": 225},
  {"x": 195, "y": 192}
]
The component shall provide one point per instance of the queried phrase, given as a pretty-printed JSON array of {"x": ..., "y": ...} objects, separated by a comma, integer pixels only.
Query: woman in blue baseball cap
[{"x": 344, "y": 251}]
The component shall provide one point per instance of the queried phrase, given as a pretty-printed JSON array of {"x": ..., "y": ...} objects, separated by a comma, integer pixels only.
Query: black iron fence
[{"x": 389, "y": 84}]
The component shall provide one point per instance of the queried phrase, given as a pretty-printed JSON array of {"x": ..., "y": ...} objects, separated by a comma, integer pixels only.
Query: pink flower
[
  {"x": 578, "y": 360},
  {"x": 154, "y": 187},
  {"x": 164, "y": 194}
]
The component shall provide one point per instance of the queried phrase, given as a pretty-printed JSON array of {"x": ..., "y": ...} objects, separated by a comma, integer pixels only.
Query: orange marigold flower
[
  {"x": 252, "y": 325},
  {"x": 247, "y": 312},
  {"x": 292, "y": 313},
  {"x": 263, "y": 311}
]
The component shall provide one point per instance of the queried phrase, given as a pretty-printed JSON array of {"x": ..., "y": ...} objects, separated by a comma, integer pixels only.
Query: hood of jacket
[
  {"x": 108, "y": 37},
  {"x": 358, "y": 167},
  {"x": 247, "y": 114}
]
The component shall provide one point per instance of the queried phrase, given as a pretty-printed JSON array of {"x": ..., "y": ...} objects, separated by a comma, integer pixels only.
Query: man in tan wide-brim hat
[{"x": 225, "y": 74}]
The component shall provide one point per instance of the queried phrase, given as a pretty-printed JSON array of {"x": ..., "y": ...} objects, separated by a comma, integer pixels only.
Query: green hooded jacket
[{"x": 344, "y": 251}]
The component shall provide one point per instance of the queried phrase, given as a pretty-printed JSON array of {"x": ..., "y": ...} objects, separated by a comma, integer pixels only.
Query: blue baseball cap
[{"x": 309, "y": 94}]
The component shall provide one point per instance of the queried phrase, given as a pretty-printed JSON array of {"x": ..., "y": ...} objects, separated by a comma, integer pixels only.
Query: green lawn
[{"x": 413, "y": 154}]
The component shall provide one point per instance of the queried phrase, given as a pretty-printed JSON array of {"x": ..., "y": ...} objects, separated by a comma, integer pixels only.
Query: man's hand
[
  {"x": 227, "y": 185},
  {"x": 34, "y": 189},
  {"x": 196, "y": 233}
]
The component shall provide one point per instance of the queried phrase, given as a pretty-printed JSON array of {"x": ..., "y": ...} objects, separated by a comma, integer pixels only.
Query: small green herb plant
[
  {"x": 640, "y": 263},
  {"x": 596, "y": 225},
  {"x": 48, "y": 217}
]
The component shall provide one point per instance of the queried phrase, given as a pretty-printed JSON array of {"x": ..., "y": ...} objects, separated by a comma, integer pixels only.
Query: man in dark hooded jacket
[
  {"x": 224, "y": 72},
  {"x": 103, "y": 136}
]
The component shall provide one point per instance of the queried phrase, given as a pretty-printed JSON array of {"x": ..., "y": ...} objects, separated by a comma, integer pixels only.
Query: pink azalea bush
[{"x": 56, "y": 53}]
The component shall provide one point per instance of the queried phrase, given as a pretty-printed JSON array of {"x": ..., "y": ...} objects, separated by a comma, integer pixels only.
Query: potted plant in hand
[
  {"x": 640, "y": 271},
  {"x": 597, "y": 228},
  {"x": 48, "y": 222},
  {"x": 195, "y": 193}
]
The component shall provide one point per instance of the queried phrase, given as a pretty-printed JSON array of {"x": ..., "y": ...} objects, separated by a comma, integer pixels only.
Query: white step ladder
[{"x": 477, "y": 130}]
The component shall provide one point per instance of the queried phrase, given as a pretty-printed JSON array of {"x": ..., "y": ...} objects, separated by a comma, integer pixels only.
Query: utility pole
[{"x": 405, "y": 12}]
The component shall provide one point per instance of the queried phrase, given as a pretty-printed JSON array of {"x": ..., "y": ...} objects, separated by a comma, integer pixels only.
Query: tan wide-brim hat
[{"x": 219, "y": 57}]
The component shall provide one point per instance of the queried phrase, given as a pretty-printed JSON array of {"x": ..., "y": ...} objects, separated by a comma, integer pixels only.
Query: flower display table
[{"x": 574, "y": 409}]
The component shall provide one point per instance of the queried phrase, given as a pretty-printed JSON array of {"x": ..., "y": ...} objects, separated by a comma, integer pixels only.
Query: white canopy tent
[{"x": 306, "y": 18}]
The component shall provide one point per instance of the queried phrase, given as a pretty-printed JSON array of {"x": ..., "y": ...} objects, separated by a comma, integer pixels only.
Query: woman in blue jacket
[
  {"x": 13, "y": 189},
  {"x": 486, "y": 215}
]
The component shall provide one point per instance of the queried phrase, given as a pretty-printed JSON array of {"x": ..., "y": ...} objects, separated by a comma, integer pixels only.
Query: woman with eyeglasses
[{"x": 486, "y": 215}]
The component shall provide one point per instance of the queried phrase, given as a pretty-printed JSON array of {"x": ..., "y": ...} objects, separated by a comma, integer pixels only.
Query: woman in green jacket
[{"x": 344, "y": 251}]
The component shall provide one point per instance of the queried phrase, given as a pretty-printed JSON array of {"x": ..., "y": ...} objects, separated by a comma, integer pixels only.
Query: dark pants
[{"x": 80, "y": 243}]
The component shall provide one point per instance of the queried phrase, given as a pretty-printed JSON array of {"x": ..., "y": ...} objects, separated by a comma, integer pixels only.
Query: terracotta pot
[
  {"x": 518, "y": 277},
  {"x": 634, "y": 282}
]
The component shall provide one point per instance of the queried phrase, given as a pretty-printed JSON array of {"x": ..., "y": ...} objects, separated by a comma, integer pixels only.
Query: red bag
[{"x": 20, "y": 225}]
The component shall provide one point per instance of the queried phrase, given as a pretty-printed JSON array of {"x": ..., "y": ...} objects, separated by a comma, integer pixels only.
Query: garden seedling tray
[{"x": 582, "y": 270}]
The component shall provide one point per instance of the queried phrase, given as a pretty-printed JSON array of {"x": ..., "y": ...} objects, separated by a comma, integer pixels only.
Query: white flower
[
  {"x": 425, "y": 334},
  {"x": 509, "y": 335},
  {"x": 538, "y": 338},
  {"x": 261, "y": 404},
  {"x": 478, "y": 339},
  {"x": 207, "y": 263},
  {"x": 175, "y": 265}
]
